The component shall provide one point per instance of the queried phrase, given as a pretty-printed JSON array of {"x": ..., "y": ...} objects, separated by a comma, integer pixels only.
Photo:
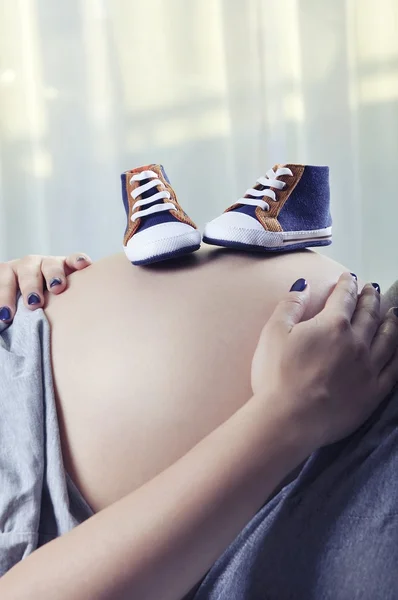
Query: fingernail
[
  {"x": 376, "y": 287},
  {"x": 5, "y": 313},
  {"x": 81, "y": 258},
  {"x": 55, "y": 281},
  {"x": 33, "y": 299},
  {"x": 299, "y": 286},
  {"x": 354, "y": 276}
]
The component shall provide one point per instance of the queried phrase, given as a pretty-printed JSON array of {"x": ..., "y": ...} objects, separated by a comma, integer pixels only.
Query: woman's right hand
[
  {"x": 31, "y": 275},
  {"x": 331, "y": 372}
]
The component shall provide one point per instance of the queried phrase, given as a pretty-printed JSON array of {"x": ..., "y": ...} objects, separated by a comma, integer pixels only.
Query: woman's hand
[
  {"x": 31, "y": 275},
  {"x": 332, "y": 371}
]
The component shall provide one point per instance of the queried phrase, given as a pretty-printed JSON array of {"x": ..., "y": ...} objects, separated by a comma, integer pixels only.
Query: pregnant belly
[{"x": 147, "y": 361}]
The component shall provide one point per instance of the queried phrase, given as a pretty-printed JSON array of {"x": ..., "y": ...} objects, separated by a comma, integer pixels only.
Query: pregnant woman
[{"x": 174, "y": 438}]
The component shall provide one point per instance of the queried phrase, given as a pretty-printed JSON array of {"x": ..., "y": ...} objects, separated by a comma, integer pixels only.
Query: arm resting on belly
[{"x": 158, "y": 541}]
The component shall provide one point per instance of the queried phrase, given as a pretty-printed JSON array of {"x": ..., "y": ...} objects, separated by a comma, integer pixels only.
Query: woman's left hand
[
  {"x": 329, "y": 373},
  {"x": 32, "y": 275}
]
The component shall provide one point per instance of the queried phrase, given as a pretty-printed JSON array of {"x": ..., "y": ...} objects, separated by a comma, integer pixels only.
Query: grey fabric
[
  {"x": 330, "y": 534},
  {"x": 38, "y": 499}
]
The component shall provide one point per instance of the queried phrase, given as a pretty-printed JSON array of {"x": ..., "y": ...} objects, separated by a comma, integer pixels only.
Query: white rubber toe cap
[
  {"x": 227, "y": 223},
  {"x": 240, "y": 228},
  {"x": 161, "y": 239},
  {"x": 232, "y": 220}
]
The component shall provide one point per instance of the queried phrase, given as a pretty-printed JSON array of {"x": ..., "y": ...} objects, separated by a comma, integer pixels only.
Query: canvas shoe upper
[
  {"x": 287, "y": 209},
  {"x": 157, "y": 227}
]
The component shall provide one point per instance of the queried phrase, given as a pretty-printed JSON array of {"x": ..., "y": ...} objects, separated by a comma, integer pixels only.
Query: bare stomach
[{"x": 148, "y": 361}]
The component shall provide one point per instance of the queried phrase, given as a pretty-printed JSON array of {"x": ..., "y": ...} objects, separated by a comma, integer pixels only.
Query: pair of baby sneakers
[{"x": 287, "y": 209}]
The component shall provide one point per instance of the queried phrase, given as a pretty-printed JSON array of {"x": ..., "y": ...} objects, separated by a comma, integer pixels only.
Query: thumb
[{"x": 290, "y": 310}]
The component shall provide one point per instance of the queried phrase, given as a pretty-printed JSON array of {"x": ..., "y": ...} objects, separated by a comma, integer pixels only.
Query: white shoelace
[
  {"x": 153, "y": 183},
  {"x": 270, "y": 180}
]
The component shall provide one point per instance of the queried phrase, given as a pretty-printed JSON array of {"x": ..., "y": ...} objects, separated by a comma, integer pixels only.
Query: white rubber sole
[
  {"x": 163, "y": 249},
  {"x": 214, "y": 233}
]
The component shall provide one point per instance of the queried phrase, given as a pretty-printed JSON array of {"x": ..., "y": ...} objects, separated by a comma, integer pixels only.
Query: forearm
[{"x": 157, "y": 542}]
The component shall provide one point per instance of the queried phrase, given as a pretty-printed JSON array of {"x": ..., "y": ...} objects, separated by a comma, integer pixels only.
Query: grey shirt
[{"x": 38, "y": 499}]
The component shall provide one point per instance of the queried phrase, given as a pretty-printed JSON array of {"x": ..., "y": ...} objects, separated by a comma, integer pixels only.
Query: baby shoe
[
  {"x": 157, "y": 227},
  {"x": 286, "y": 210}
]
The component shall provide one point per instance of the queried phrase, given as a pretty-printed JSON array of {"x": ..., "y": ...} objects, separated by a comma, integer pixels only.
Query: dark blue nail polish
[
  {"x": 354, "y": 276},
  {"x": 5, "y": 313},
  {"x": 396, "y": 312},
  {"x": 55, "y": 281},
  {"x": 376, "y": 287},
  {"x": 33, "y": 299},
  {"x": 299, "y": 286}
]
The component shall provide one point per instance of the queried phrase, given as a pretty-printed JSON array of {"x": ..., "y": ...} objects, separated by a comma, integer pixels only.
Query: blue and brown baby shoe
[
  {"x": 157, "y": 227},
  {"x": 286, "y": 210}
]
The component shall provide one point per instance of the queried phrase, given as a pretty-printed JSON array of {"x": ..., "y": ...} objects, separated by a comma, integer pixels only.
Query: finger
[
  {"x": 53, "y": 270},
  {"x": 30, "y": 280},
  {"x": 389, "y": 376},
  {"x": 77, "y": 262},
  {"x": 290, "y": 310},
  {"x": 366, "y": 319},
  {"x": 8, "y": 293},
  {"x": 342, "y": 301},
  {"x": 385, "y": 341},
  {"x": 390, "y": 298}
]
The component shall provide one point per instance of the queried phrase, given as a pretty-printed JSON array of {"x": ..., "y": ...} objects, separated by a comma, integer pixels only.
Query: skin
[
  {"x": 316, "y": 381},
  {"x": 134, "y": 348}
]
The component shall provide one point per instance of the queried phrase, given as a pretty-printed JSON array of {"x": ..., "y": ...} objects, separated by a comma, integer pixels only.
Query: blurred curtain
[{"x": 216, "y": 90}]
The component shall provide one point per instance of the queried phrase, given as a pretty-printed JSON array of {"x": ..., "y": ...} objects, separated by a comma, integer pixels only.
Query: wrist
[{"x": 275, "y": 410}]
